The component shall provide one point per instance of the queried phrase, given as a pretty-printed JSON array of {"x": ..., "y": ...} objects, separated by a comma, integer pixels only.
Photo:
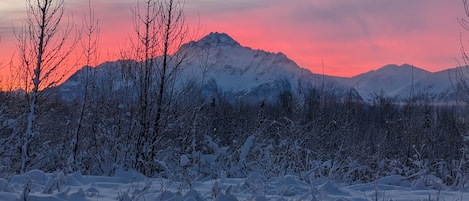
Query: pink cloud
[{"x": 350, "y": 36}]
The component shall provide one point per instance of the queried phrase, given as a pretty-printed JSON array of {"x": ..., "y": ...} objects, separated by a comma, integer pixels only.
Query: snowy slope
[
  {"x": 222, "y": 66},
  {"x": 227, "y": 69},
  {"x": 107, "y": 78},
  {"x": 387, "y": 79},
  {"x": 405, "y": 81},
  {"x": 438, "y": 86},
  {"x": 242, "y": 72}
]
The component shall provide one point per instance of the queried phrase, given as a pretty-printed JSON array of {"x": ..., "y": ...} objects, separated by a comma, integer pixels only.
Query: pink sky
[{"x": 351, "y": 37}]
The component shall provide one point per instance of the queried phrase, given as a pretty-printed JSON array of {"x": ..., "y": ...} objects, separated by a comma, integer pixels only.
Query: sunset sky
[{"x": 350, "y": 36}]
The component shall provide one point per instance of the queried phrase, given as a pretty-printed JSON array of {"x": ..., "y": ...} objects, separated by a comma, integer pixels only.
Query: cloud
[
  {"x": 216, "y": 7},
  {"x": 367, "y": 31},
  {"x": 351, "y": 36}
]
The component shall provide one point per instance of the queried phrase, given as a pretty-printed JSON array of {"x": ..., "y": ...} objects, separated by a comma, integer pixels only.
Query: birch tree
[
  {"x": 144, "y": 50},
  {"x": 44, "y": 44},
  {"x": 89, "y": 46},
  {"x": 160, "y": 32},
  {"x": 174, "y": 32}
]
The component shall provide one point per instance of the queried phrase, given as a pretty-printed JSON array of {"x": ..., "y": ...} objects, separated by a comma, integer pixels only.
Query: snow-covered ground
[{"x": 131, "y": 185}]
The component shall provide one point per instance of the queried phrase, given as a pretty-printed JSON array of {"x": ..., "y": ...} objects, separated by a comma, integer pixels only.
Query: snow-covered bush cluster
[
  {"x": 313, "y": 136},
  {"x": 133, "y": 186}
]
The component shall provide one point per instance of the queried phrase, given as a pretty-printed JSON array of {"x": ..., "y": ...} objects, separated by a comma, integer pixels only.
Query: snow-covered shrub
[
  {"x": 255, "y": 184},
  {"x": 56, "y": 182},
  {"x": 24, "y": 196},
  {"x": 210, "y": 159}
]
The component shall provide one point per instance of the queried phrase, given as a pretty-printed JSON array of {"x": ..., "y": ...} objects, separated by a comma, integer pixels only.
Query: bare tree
[
  {"x": 144, "y": 49},
  {"x": 90, "y": 51},
  {"x": 461, "y": 83},
  {"x": 174, "y": 32},
  {"x": 44, "y": 46},
  {"x": 160, "y": 32}
]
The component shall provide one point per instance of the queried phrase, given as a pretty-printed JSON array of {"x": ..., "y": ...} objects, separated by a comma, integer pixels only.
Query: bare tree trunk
[
  {"x": 35, "y": 92},
  {"x": 174, "y": 33},
  {"x": 160, "y": 31},
  {"x": 90, "y": 51},
  {"x": 41, "y": 55},
  {"x": 462, "y": 74},
  {"x": 145, "y": 50}
]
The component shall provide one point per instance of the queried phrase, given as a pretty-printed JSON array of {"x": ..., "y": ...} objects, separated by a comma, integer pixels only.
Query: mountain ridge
[{"x": 220, "y": 64}]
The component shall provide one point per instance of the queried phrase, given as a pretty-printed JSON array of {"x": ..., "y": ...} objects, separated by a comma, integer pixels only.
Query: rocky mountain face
[{"x": 220, "y": 66}]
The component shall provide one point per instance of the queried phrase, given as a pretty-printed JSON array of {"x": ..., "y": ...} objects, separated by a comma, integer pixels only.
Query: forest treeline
[{"x": 316, "y": 134}]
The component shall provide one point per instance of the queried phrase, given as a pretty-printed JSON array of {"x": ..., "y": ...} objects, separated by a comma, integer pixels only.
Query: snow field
[{"x": 133, "y": 186}]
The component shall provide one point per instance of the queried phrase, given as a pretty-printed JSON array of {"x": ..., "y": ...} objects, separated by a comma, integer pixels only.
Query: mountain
[
  {"x": 388, "y": 79},
  {"x": 107, "y": 78},
  {"x": 404, "y": 81},
  {"x": 246, "y": 74},
  {"x": 222, "y": 67},
  {"x": 439, "y": 86}
]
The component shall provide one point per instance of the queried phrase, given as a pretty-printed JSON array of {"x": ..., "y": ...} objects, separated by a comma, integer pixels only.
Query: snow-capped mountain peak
[
  {"x": 396, "y": 70},
  {"x": 217, "y": 39}
]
